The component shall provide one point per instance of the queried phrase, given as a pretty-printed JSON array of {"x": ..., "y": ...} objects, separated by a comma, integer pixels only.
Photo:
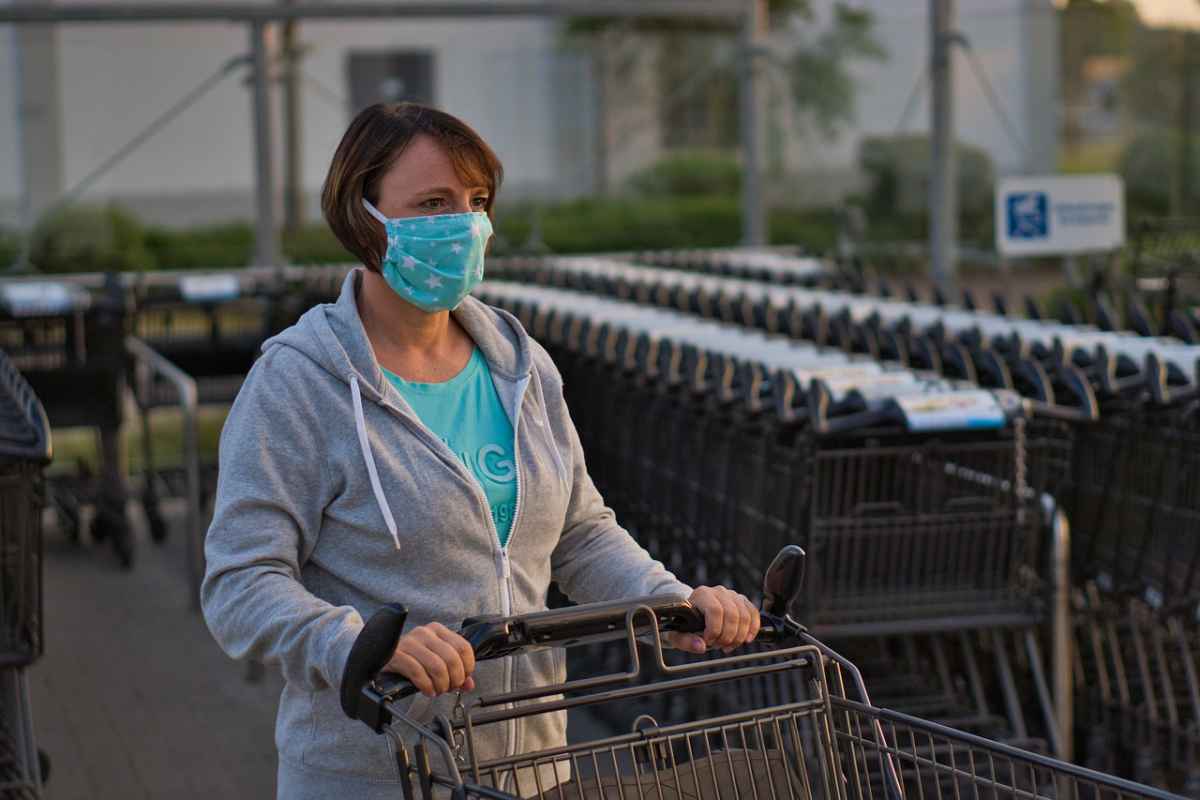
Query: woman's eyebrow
[{"x": 447, "y": 190}]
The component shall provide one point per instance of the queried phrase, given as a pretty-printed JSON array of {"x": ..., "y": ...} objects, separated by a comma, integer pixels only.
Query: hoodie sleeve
[
  {"x": 271, "y": 494},
  {"x": 596, "y": 559}
]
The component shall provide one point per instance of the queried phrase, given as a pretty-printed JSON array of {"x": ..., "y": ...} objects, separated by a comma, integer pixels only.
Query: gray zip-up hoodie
[{"x": 334, "y": 499}]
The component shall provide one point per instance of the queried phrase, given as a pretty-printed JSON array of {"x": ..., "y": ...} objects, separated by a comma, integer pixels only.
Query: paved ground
[{"x": 133, "y": 699}]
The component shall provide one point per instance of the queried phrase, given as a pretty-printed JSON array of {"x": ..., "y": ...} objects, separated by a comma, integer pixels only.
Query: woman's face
[{"x": 423, "y": 181}]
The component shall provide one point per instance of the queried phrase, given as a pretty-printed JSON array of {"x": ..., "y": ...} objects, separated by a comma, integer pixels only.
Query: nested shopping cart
[
  {"x": 932, "y": 539},
  {"x": 807, "y": 730},
  {"x": 24, "y": 452},
  {"x": 67, "y": 339},
  {"x": 1114, "y": 442}
]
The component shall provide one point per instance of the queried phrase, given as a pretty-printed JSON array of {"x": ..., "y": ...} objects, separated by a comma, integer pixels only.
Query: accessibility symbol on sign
[{"x": 1027, "y": 215}]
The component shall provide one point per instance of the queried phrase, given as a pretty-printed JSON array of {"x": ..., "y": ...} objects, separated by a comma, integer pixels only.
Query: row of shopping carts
[
  {"x": 1112, "y": 441},
  {"x": 715, "y": 445},
  {"x": 1150, "y": 301},
  {"x": 24, "y": 452},
  {"x": 94, "y": 347}
]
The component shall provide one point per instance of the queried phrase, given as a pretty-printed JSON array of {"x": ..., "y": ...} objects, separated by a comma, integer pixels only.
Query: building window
[{"x": 390, "y": 77}]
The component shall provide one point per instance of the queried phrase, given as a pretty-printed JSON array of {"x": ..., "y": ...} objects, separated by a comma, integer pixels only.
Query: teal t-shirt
[{"x": 465, "y": 413}]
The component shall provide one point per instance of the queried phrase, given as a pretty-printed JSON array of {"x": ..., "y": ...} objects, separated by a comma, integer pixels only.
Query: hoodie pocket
[{"x": 343, "y": 746}]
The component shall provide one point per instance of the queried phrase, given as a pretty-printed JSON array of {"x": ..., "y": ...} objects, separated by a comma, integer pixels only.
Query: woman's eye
[
  {"x": 433, "y": 203},
  {"x": 479, "y": 202}
]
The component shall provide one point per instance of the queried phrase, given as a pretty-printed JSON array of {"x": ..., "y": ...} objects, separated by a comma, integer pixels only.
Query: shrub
[
  {"x": 10, "y": 248},
  {"x": 688, "y": 173},
  {"x": 207, "y": 247},
  {"x": 615, "y": 224},
  {"x": 315, "y": 244},
  {"x": 1149, "y": 165},
  {"x": 899, "y": 170},
  {"x": 90, "y": 239}
]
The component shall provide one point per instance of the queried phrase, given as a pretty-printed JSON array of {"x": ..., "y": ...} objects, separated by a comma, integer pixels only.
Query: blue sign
[{"x": 1028, "y": 215}]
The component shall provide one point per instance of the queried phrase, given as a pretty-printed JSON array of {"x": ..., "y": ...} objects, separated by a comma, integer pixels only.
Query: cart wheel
[
  {"x": 158, "y": 526},
  {"x": 153, "y": 511},
  {"x": 44, "y": 765},
  {"x": 112, "y": 525},
  {"x": 123, "y": 545},
  {"x": 66, "y": 508},
  {"x": 100, "y": 529},
  {"x": 154, "y": 518}
]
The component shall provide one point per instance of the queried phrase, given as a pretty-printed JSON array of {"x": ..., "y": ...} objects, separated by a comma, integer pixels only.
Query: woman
[{"x": 410, "y": 444}]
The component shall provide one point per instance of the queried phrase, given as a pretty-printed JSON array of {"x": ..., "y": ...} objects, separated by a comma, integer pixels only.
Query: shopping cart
[
  {"x": 809, "y": 731},
  {"x": 24, "y": 452},
  {"x": 67, "y": 339}
]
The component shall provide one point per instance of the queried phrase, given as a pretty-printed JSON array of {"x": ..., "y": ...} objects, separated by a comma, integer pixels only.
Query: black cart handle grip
[{"x": 371, "y": 652}]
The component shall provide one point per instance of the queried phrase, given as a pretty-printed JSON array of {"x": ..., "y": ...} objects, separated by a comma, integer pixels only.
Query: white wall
[
  {"x": 999, "y": 31},
  {"x": 11, "y": 183},
  {"x": 496, "y": 73}
]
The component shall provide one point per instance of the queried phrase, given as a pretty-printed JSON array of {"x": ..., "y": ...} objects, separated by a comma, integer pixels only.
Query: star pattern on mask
[
  {"x": 434, "y": 282},
  {"x": 456, "y": 248},
  {"x": 408, "y": 262}
]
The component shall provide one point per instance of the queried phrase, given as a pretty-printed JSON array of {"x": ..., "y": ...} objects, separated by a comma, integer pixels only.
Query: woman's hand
[
  {"x": 436, "y": 659},
  {"x": 730, "y": 620}
]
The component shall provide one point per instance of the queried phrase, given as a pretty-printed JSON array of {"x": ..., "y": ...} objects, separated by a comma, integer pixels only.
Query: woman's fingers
[
  {"x": 705, "y": 598},
  {"x": 435, "y": 659},
  {"x": 404, "y": 664},
  {"x": 736, "y": 621},
  {"x": 730, "y": 619},
  {"x": 466, "y": 653}
]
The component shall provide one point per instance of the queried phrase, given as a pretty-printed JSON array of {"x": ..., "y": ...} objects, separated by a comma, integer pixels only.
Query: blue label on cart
[
  {"x": 959, "y": 410},
  {"x": 209, "y": 288},
  {"x": 35, "y": 298}
]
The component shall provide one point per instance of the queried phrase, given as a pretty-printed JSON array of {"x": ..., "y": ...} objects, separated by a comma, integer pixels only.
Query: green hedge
[
  {"x": 101, "y": 239},
  {"x": 634, "y": 223},
  {"x": 90, "y": 239}
]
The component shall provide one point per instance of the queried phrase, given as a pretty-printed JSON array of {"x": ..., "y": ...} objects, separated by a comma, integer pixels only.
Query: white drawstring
[{"x": 360, "y": 423}]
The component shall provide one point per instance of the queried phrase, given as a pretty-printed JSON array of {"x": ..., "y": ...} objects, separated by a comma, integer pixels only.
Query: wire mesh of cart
[
  {"x": 67, "y": 338},
  {"x": 913, "y": 528},
  {"x": 826, "y": 740},
  {"x": 24, "y": 452},
  {"x": 1114, "y": 435},
  {"x": 712, "y": 460}
]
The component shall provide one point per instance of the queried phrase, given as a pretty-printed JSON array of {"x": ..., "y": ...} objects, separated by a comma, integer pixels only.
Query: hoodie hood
[{"x": 332, "y": 335}]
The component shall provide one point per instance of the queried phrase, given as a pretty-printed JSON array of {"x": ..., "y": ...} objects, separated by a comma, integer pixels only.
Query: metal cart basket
[{"x": 810, "y": 731}]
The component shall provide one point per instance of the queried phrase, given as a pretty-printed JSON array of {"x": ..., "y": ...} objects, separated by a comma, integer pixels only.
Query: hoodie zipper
[
  {"x": 503, "y": 565},
  {"x": 506, "y": 565}
]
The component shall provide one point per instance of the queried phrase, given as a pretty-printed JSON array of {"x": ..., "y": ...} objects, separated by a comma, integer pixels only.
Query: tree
[
  {"x": 1089, "y": 29},
  {"x": 698, "y": 62},
  {"x": 823, "y": 89}
]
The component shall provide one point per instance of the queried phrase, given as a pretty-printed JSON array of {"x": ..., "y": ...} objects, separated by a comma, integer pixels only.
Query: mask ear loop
[{"x": 373, "y": 211}]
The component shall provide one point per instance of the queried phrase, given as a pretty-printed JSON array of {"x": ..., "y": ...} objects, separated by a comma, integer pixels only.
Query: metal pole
[
  {"x": 266, "y": 243},
  {"x": 293, "y": 194},
  {"x": 1187, "y": 99},
  {"x": 754, "y": 30},
  {"x": 943, "y": 198}
]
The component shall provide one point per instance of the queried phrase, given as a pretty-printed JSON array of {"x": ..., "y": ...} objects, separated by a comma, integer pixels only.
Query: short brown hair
[{"x": 376, "y": 137}]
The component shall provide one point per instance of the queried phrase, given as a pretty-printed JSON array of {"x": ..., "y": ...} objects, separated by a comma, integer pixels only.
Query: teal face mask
[{"x": 434, "y": 262}]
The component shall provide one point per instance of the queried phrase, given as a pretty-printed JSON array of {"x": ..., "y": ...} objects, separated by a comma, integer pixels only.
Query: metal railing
[{"x": 148, "y": 365}]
